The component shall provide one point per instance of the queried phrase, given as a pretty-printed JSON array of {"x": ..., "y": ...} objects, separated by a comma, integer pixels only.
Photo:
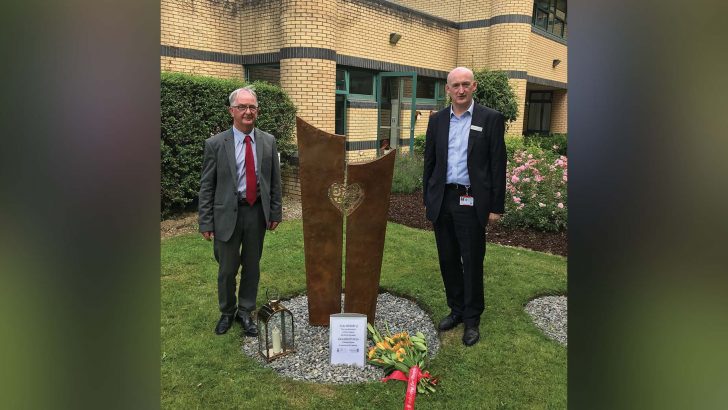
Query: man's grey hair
[{"x": 248, "y": 89}]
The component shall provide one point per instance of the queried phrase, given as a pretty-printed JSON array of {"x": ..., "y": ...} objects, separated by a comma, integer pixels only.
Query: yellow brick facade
[
  {"x": 541, "y": 54},
  {"x": 559, "y": 112},
  {"x": 303, "y": 39},
  {"x": 363, "y": 31},
  {"x": 200, "y": 25}
]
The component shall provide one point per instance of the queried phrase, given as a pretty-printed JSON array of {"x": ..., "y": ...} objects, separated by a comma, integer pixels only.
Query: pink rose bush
[{"x": 536, "y": 194}]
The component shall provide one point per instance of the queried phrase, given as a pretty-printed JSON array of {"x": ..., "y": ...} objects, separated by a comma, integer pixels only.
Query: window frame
[{"x": 551, "y": 18}]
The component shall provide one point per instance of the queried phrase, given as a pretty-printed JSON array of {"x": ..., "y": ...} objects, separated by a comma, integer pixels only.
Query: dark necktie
[{"x": 250, "y": 180}]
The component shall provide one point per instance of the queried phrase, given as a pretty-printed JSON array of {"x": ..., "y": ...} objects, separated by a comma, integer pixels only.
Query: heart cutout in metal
[{"x": 346, "y": 197}]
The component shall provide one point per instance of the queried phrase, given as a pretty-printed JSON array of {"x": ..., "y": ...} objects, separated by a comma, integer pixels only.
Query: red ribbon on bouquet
[{"x": 414, "y": 376}]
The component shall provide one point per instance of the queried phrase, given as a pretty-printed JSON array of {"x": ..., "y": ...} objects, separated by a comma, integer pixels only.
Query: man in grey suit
[{"x": 240, "y": 196}]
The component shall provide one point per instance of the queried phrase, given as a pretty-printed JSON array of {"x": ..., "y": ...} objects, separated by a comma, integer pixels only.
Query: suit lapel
[
  {"x": 229, "y": 143},
  {"x": 477, "y": 121},
  {"x": 444, "y": 134},
  {"x": 259, "y": 151}
]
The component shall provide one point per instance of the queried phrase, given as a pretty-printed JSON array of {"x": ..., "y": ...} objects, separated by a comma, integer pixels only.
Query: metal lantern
[{"x": 275, "y": 330}]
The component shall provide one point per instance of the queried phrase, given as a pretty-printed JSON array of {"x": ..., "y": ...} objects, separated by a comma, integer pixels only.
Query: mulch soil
[{"x": 407, "y": 209}]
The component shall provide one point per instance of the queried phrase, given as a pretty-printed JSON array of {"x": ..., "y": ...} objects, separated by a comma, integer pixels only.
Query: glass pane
[
  {"x": 340, "y": 80},
  {"x": 426, "y": 87},
  {"x": 550, "y": 28},
  {"x": 534, "y": 116},
  {"x": 559, "y": 27},
  {"x": 546, "y": 121},
  {"x": 536, "y": 96},
  {"x": 269, "y": 74},
  {"x": 361, "y": 82},
  {"x": 561, "y": 6},
  {"x": 339, "y": 115},
  {"x": 541, "y": 19}
]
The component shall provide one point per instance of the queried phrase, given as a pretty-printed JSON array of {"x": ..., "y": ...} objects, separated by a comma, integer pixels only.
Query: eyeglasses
[{"x": 244, "y": 108}]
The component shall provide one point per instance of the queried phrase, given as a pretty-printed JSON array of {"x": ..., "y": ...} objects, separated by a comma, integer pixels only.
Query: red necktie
[{"x": 250, "y": 181}]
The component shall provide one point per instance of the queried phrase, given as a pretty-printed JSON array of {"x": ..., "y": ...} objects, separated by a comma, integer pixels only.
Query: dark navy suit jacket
[{"x": 486, "y": 162}]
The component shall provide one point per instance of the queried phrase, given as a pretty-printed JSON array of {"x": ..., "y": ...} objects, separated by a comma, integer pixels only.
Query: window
[
  {"x": 269, "y": 73},
  {"x": 361, "y": 83},
  {"x": 539, "y": 112},
  {"x": 550, "y": 16},
  {"x": 340, "y": 115}
]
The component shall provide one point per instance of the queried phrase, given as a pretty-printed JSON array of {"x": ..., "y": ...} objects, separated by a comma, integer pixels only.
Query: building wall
[
  {"x": 364, "y": 28},
  {"x": 310, "y": 82},
  {"x": 471, "y": 33},
  {"x": 206, "y": 68},
  {"x": 291, "y": 182},
  {"x": 559, "y": 112},
  {"x": 541, "y": 53},
  {"x": 201, "y": 25},
  {"x": 519, "y": 89},
  {"x": 361, "y": 124},
  {"x": 260, "y": 26}
]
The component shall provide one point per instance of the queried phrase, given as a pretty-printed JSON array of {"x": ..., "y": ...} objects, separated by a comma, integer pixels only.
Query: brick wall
[
  {"x": 291, "y": 182},
  {"x": 260, "y": 26},
  {"x": 541, "y": 54},
  {"x": 559, "y": 112},
  {"x": 207, "y": 68},
  {"x": 311, "y": 85},
  {"x": 519, "y": 88},
  {"x": 201, "y": 25},
  {"x": 364, "y": 28}
]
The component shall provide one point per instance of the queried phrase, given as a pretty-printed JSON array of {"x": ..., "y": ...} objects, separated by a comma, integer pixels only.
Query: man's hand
[
  {"x": 272, "y": 225},
  {"x": 208, "y": 235},
  {"x": 493, "y": 217}
]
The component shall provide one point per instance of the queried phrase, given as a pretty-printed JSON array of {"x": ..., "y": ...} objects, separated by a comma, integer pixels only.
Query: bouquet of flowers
[{"x": 403, "y": 358}]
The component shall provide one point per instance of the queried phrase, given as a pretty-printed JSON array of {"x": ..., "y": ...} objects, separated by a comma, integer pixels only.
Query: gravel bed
[
  {"x": 310, "y": 362},
  {"x": 549, "y": 313}
]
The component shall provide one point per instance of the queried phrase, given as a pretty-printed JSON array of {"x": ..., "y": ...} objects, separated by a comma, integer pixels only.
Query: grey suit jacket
[{"x": 218, "y": 204}]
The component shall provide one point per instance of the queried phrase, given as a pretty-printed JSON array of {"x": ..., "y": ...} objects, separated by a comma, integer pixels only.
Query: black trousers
[
  {"x": 461, "y": 249},
  {"x": 245, "y": 247}
]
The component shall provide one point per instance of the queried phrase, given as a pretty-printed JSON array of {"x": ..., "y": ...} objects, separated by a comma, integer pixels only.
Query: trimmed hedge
[{"x": 193, "y": 109}]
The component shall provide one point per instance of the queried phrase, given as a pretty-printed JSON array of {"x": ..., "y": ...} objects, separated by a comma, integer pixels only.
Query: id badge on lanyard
[{"x": 467, "y": 200}]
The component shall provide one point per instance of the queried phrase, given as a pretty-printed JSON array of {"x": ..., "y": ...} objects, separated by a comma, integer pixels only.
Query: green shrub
[
  {"x": 536, "y": 194},
  {"x": 514, "y": 143},
  {"x": 494, "y": 91},
  {"x": 407, "y": 174},
  {"x": 194, "y": 108},
  {"x": 420, "y": 145},
  {"x": 554, "y": 142}
]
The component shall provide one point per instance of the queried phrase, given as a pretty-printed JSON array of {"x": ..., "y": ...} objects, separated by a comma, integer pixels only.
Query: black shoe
[
  {"x": 449, "y": 322},
  {"x": 223, "y": 325},
  {"x": 249, "y": 327},
  {"x": 471, "y": 336}
]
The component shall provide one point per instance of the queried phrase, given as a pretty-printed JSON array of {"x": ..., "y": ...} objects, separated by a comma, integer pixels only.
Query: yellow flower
[{"x": 371, "y": 353}]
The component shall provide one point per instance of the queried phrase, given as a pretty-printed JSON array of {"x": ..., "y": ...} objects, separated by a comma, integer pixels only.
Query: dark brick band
[{"x": 326, "y": 54}]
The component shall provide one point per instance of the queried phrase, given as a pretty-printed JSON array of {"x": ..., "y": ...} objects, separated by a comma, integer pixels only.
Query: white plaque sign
[{"x": 347, "y": 338}]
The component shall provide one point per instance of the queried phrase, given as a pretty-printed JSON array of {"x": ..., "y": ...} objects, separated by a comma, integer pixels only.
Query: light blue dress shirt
[
  {"x": 457, "y": 147},
  {"x": 240, "y": 158}
]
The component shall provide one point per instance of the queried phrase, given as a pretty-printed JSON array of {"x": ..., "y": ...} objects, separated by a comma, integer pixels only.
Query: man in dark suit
[
  {"x": 464, "y": 185},
  {"x": 240, "y": 196}
]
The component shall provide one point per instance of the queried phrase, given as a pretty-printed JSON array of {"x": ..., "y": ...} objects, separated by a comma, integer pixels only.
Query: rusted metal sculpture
[
  {"x": 365, "y": 229},
  {"x": 331, "y": 191},
  {"x": 321, "y": 165}
]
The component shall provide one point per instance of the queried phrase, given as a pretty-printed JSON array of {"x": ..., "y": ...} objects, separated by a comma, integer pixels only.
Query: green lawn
[{"x": 513, "y": 366}]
